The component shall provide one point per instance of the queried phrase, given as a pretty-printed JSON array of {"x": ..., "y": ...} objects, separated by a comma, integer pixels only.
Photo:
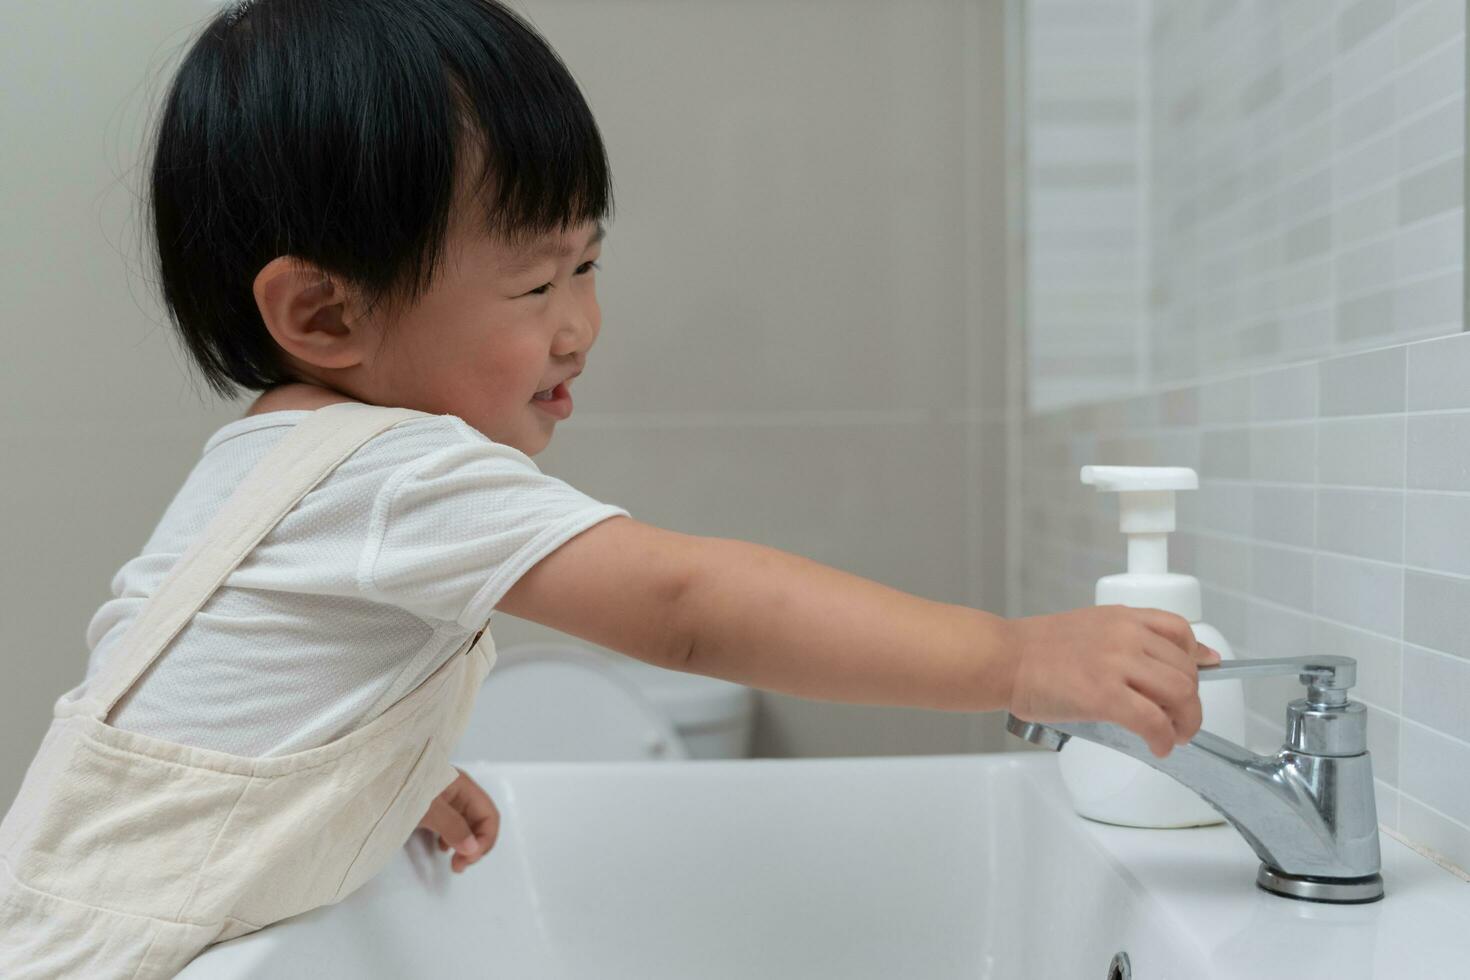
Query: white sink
[{"x": 926, "y": 867}]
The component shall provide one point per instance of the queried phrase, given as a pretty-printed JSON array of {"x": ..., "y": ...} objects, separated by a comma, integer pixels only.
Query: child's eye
[{"x": 581, "y": 269}]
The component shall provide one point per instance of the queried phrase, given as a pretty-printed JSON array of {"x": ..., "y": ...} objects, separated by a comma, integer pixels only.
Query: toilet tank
[{"x": 713, "y": 717}]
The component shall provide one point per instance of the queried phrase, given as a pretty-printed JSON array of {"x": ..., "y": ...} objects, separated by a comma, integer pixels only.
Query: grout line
[
  {"x": 1240, "y": 246},
  {"x": 1454, "y": 658},
  {"x": 1459, "y": 824},
  {"x": 1239, "y": 373},
  {"x": 1236, "y": 594},
  {"x": 1403, "y": 576},
  {"x": 1455, "y": 739},
  {"x": 1397, "y": 282},
  {"x": 1424, "y": 850},
  {"x": 1253, "y": 542},
  {"x": 1230, "y": 426}
]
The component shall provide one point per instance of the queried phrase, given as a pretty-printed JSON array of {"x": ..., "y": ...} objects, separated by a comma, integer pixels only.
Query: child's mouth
[{"x": 557, "y": 402}]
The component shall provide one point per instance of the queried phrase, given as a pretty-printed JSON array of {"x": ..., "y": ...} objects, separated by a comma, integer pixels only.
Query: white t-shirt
[{"x": 362, "y": 591}]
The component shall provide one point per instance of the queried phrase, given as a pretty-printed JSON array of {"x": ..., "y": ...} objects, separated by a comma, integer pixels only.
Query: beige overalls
[{"x": 125, "y": 855}]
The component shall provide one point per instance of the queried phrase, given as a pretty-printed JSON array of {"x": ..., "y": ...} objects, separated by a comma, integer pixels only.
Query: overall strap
[{"x": 295, "y": 464}]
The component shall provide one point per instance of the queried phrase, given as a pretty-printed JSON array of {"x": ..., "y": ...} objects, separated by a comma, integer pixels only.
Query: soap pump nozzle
[{"x": 1146, "y": 516}]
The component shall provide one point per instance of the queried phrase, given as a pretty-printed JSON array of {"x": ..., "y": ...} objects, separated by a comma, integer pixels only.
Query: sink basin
[{"x": 914, "y": 866}]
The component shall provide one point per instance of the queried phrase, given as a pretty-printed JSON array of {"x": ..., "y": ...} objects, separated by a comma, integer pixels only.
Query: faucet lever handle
[{"x": 1327, "y": 676}]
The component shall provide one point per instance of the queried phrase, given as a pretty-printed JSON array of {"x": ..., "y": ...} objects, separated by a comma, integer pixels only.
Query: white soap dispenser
[{"x": 1106, "y": 785}]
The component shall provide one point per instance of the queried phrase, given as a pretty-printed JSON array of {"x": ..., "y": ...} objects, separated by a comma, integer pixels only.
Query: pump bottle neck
[{"x": 1148, "y": 554}]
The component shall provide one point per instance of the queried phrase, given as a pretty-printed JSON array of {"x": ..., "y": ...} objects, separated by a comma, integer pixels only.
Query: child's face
[{"x": 496, "y": 327}]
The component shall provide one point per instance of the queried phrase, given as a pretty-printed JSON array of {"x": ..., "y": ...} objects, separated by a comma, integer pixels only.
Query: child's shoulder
[
  {"x": 408, "y": 445},
  {"x": 292, "y": 398}
]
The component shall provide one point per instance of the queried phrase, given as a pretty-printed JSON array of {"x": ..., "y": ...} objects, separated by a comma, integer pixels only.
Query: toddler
[{"x": 401, "y": 204}]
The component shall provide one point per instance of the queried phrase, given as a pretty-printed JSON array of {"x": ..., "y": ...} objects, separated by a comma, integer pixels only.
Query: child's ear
[{"x": 310, "y": 314}]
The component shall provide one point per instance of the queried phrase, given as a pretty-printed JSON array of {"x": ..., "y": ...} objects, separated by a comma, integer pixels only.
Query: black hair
[{"x": 335, "y": 131}]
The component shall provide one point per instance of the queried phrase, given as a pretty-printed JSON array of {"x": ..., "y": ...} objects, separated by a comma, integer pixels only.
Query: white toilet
[{"x": 546, "y": 702}]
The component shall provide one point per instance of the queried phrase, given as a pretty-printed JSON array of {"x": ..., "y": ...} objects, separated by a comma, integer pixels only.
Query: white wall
[
  {"x": 803, "y": 313},
  {"x": 98, "y": 421}
]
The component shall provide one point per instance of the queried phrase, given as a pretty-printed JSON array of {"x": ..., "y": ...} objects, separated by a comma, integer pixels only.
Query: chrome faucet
[{"x": 1308, "y": 811}]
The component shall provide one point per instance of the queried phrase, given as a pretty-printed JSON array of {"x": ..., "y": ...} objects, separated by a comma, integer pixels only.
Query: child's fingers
[
  {"x": 1174, "y": 692},
  {"x": 1170, "y": 626},
  {"x": 1166, "y": 652},
  {"x": 446, "y": 821},
  {"x": 479, "y": 813},
  {"x": 1140, "y": 715}
]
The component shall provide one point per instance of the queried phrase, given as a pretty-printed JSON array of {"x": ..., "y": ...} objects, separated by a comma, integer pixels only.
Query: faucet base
[{"x": 1337, "y": 891}]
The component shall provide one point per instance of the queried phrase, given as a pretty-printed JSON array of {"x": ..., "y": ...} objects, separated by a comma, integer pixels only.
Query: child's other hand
[
  {"x": 1135, "y": 667},
  {"x": 464, "y": 818}
]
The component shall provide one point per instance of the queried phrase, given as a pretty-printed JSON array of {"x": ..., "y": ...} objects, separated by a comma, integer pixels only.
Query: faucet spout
[{"x": 1308, "y": 811}]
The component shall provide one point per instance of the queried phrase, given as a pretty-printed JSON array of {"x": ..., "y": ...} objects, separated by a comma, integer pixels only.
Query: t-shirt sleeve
[{"x": 451, "y": 532}]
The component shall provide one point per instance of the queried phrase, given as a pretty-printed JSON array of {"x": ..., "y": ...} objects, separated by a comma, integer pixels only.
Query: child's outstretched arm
[{"x": 777, "y": 621}]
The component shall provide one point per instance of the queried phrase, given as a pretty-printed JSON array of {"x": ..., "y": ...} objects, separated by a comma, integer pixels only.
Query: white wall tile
[
  {"x": 1367, "y": 267},
  {"x": 1386, "y": 801},
  {"x": 1366, "y": 116},
  {"x": 1448, "y": 838},
  {"x": 1286, "y": 515},
  {"x": 1433, "y": 190},
  {"x": 1432, "y": 245},
  {"x": 1360, "y": 593},
  {"x": 1379, "y": 660},
  {"x": 1432, "y": 305},
  {"x": 1433, "y": 770},
  {"x": 1370, "y": 62},
  {"x": 1363, "y": 384},
  {"x": 1226, "y": 453},
  {"x": 1227, "y": 401},
  {"x": 1437, "y": 612},
  {"x": 1439, "y": 373},
  {"x": 1437, "y": 690},
  {"x": 1366, "y": 523},
  {"x": 1361, "y": 19},
  {"x": 1367, "y": 452},
  {"x": 1367, "y": 216},
  {"x": 1275, "y": 631},
  {"x": 1432, "y": 135},
  {"x": 1284, "y": 453},
  {"x": 1437, "y": 532},
  {"x": 1282, "y": 575},
  {"x": 1366, "y": 167},
  {"x": 1433, "y": 77},
  {"x": 1223, "y": 507},
  {"x": 1226, "y": 562},
  {"x": 1437, "y": 452},
  {"x": 1427, "y": 25},
  {"x": 1383, "y": 742}
]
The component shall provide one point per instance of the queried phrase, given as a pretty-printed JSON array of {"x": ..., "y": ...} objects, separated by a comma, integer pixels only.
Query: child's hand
[
  {"x": 1135, "y": 667},
  {"x": 464, "y": 815}
]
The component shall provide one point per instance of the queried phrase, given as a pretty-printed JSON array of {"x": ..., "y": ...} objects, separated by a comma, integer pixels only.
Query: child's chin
[{"x": 535, "y": 442}]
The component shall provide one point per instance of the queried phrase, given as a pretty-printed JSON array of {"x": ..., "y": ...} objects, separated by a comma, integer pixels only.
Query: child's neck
[{"x": 297, "y": 395}]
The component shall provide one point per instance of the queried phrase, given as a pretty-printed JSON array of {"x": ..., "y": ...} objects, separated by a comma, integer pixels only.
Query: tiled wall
[
  {"x": 1305, "y": 236},
  {"x": 1286, "y": 175},
  {"x": 1086, "y": 121},
  {"x": 1333, "y": 516},
  {"x": 1307, "y": 179}
]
